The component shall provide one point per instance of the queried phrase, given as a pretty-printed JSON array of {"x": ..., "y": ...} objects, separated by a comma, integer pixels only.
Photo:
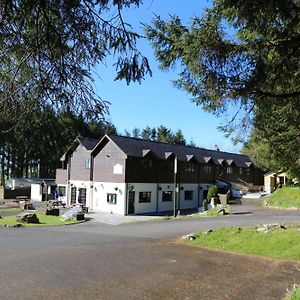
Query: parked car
[{"x": 225, "y": 186}]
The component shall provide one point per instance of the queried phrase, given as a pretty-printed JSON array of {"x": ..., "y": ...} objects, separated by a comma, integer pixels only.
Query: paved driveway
[{"x": 139, "y": 261}]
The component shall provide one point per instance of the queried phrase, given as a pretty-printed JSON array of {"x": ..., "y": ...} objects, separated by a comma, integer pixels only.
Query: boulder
[
  {"x": 52, "y": 211},
  {"x": 190, "y": 237},
  {"x": 221, "y": 211},
  {"x": 28, "y": 217},
  {"x": 80, "y": 216}
]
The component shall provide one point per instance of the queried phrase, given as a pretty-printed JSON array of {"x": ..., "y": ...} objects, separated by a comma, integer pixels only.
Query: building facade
[
  {"x": 73, "y": 177},
  {"x": 134, "y": 176}
]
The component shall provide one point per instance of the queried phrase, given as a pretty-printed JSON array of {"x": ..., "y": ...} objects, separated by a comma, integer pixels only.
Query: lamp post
[{"x": 175, "y": 188}]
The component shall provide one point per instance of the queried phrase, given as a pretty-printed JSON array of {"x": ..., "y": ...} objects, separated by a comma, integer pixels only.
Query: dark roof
[
  {"x": 89, "y": 143},
  {"x": 140, "y": 148}
]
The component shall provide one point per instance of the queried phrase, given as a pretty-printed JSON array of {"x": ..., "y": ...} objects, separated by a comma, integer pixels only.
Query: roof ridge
[{"x": 187, "y": 146}]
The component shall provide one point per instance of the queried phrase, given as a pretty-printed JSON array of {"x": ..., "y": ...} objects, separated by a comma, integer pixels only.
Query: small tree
[{"x": 212, "y": 192}]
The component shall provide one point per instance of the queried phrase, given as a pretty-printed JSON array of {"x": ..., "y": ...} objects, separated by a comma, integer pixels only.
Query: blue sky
[{"x": 156, "y": 101}]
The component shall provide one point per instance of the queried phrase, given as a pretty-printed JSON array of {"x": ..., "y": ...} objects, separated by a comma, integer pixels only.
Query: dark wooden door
[
  {"x": 131, "y": 197},
  {"x": 73, "y": 195}
]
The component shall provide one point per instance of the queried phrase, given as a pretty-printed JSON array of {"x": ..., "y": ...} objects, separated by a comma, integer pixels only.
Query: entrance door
[
  {"x": 205, "y": 192},
  {"x": 131, "y": 197},
  {"x": 73, "y": 195}
]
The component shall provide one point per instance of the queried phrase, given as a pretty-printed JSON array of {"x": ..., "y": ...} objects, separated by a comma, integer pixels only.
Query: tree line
[
  {"x": 32, "y": 146},
  {"x": 159, "y": 134},
  {"x": 239, "y": 54},
  {"x": 241, "y": 59}
]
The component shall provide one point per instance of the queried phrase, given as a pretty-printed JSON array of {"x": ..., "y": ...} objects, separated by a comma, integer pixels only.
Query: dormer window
[
  {"x": 229, "y": 170},
  {"x": 189, "y": 167},
  {"x": 207, "y": 169},
  {"x": 146, "y": 163}
]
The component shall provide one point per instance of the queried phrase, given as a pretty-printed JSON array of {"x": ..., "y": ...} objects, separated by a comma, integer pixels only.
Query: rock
[
  {"x": 189, "y": 237},
  {"x": 269, "y": 227},
  {"x": 17, "y": 225},
  {"x": 28, "y": 217},
  {"x": 221, "y": 211},
  {"x": 208, "y": 231},
  {"x": 80, "y": 216},
  {"x": 13, "y": 226},
  {"x": 52, "y": 211}
]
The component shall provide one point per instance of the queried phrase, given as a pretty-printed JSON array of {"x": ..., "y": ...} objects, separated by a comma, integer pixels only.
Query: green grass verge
[
  {"x": 286, "y": 197},
  {"x": 279, "y": 243},
  {"x": 294, "y": 294},
  {"x": 44, "y": 221},
  {"x": 214, "y": 211},
  {"x": 10, "y": 209}
]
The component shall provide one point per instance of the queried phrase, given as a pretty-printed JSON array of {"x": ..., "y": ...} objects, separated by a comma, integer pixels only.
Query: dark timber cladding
[
  {"x": 148, "y": 161},
  {"x": 75, "y": 163}
]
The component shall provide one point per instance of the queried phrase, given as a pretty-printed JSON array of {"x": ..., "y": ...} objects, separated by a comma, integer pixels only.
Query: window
[
  {"x": 248, "y": 171},
  {"x": 82, "y": 196},
  {"x": 207, "y": 169},
  {"x": 188, "y": 195},
  {"x": 112, "y": 198},
  {"x": 87, "y": 163},
  {"x": 145, "y": 197},
  {"x": 146, "y": 163},
  {"x": 241, "y": 171},
  {"x": 229, "y": 170},
  {"x": 62, "y": 191},
  {"x": 168, "y": 165},
  {"x": 167, "y": 196},
  {"x": 189, "y": 167}
]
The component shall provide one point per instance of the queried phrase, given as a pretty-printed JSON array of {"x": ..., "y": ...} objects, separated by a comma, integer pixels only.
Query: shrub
[{"x": 212, "y": 192}]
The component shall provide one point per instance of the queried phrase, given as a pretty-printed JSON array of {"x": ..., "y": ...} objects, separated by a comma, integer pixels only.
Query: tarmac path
[{"x": 144, "y": 260}]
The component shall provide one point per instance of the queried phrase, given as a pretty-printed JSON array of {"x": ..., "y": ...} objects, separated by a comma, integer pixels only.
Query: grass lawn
[
  {"x": 294, "y": 295},
  {"x": 10, "y": 209},
  {"x": 44, "y": 221},
  {"x": 213, "y": 212},
  {"x": 276, "y": 244},
  {"x": 286, "y": 197}
]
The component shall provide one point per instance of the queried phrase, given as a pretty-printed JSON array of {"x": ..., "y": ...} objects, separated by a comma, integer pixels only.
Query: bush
[{"x": 212, "y": 192}]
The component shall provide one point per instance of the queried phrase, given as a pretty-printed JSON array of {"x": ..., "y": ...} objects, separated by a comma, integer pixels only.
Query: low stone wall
[{"x": 224, "y": 198}]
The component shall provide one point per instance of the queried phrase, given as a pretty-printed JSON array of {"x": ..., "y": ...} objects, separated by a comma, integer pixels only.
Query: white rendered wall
[
  {"x": 184, "y": 204},
  {"x": 36, "y": 192},
  {"x": 140, "y": 208},
  {"x": 99, "y": 201},
  {"x": 79, "y": 184},
  {"x": 165, "y": 205}
]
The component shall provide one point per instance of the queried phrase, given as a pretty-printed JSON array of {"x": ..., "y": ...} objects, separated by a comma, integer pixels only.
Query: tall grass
[{"x": 286, "y": 197}]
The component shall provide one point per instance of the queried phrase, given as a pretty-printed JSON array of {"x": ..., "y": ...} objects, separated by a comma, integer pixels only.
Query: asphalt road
[{"x": 139, "y": 261}]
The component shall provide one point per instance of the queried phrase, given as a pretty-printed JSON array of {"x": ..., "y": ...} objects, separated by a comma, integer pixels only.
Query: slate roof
[
  {"x": 89, "y": 143},
  {"x": 141, "y": 148}
]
